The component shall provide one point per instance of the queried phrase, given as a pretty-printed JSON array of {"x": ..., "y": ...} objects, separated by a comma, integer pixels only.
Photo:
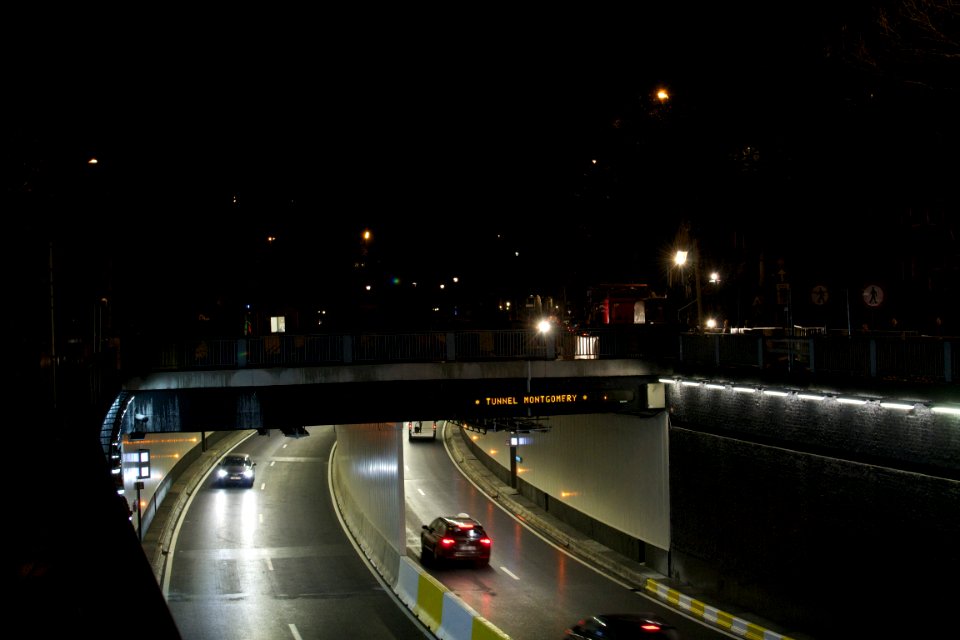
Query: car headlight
[
  {"x": 221, "y": 473},
  {"x": 248, "y": 473}
]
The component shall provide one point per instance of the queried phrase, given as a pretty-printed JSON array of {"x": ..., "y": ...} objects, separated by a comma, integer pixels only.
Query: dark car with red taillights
[{"x": 455, "y": 538}]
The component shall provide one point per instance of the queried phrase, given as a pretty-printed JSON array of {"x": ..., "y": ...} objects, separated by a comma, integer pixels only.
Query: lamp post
[
  {"x": 680, "y": 259},
  {"x": 549, "y": 346}
]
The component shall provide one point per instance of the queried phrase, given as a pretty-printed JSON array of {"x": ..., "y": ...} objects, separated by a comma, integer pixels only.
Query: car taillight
[
  {"x": 651, "y": 627},
  {"x": 486, "y": 541},
  {"x": 447, "y": 542}
]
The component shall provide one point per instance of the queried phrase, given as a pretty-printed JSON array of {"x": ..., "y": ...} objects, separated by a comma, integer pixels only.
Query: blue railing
[{"x": 919, "y": 359}]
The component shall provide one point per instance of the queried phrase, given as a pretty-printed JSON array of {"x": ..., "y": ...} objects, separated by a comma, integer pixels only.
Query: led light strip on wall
[{"x": 947, "y": 409}]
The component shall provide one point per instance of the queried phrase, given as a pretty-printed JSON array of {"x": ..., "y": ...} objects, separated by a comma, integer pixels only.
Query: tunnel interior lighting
[
  {"x": 851, "y": 401},
  {"x": 745, "y": 389},
  {"x": 714, "y": 385},
  {"x": 691, "y": 383},
  {"x": 899, "y": 406},
  {"x": 955, "y": 411},
  {"x": 667, "y": 380},
  {"x": 809, "y": 396},
  {"x": 775, "y": 392}
]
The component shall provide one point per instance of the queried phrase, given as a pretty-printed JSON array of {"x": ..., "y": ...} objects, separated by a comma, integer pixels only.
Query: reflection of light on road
[
  {"x": 517, "y": 542},
  {"x": 485, "y": 606},
  {"x": 561, "y": 574},
  {"x": 219, "y": 505},
  {"x": 236, "y": 521},
  {"x": 249, "y": 516}
]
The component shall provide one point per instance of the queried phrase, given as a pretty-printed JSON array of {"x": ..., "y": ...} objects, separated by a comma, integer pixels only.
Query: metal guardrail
[
  {"x": 316, "y": 350},
  {"x": 913, "y": 359},
  {"x": 905, "y": 358}
]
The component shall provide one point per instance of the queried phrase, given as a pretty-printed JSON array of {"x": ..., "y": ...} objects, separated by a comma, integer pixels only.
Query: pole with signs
[
  {"x": 139, "y": 486},
  {"x": 513, "y": 460}
]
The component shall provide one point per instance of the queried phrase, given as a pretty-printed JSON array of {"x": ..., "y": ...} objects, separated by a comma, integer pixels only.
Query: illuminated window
[
  {"x": 278, "y": 324},
  {"x": 143, "y": 463}
]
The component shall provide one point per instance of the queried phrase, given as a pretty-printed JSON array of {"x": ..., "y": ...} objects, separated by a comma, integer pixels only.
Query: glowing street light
[
  {"x": 680, "y": 259},
  {"x": 544, "y": 328}
]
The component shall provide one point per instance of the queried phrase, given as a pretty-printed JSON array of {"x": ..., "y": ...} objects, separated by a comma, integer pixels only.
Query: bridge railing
[
  {"x": 913, "y": 359},
  {"x": 906, "y": 358}
]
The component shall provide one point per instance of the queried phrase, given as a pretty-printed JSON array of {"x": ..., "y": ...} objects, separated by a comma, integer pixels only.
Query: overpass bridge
[{"x": 496, "y": 377}]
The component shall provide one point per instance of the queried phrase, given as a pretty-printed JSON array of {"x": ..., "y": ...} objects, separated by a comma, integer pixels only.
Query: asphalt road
[{"x": 274, "y": 562}]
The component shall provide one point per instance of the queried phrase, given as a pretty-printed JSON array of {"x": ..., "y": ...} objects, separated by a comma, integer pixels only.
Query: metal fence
[
  {"x": 918, "y": 359},
  {"x": 884, "y": 357}
]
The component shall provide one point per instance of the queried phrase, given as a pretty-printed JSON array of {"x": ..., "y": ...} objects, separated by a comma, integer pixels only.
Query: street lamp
[
  {"x": 544, "y": 329},
  {"x": 680, "y": 259}
]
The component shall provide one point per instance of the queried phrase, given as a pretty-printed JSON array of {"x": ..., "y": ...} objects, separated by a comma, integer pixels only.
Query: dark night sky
[{"x": 443, "y": 132}]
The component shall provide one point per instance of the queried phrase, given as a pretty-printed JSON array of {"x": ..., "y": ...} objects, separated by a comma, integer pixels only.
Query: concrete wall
[
  {"x": 816, "y": 512},
  {"x": 612, "y": 468},
  {"x": 368, "y": 481}
]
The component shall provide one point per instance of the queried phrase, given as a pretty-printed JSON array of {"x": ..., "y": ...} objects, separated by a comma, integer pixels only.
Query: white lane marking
[
  {"x": 421, "y": 491},
  {"x": 269, "y": 564},
  {"x": 261, "y": 518},
  {"x": 294, "y": 632},
  {"x": 263, "y": 486},
  {"x": 509, "y": 573},
  {"x": 273, "y": 462}
]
